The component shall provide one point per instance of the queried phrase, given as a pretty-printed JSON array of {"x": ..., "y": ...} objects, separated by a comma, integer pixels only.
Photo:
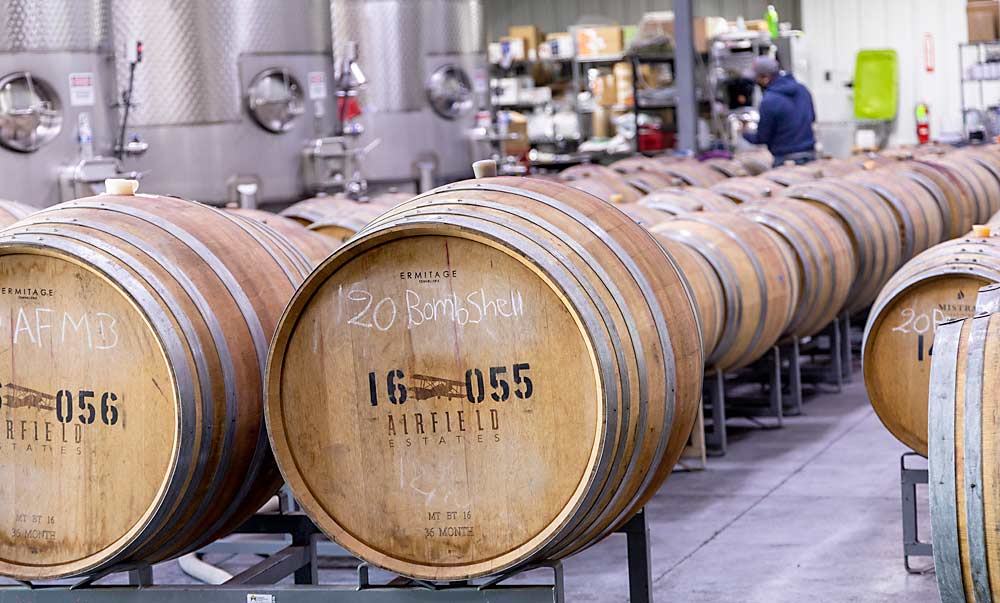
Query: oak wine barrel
[
  {"x": 499, "y": 371},
  {"x": 730, "y": 168},
  {"x": 823, "y": 256},
  {"x": 137, "y": 331},
  {"x": 964, "y": 460},
  {"x": 707, "y": 291},
  {"x": 756, "y": 162},
  {"x": 917, "y": 213},
  {"x": 871, "y": 226},
  {"x": 760, "y": 283},
  {"x": 12, "y": 211},
  {"x": 956, "y": 206},
  {"x": 938, "y": 285},
  {"x": 606, "y": 176},
  {"x": 788, "y": 175},
  {"x": 313, "y": 246},
  {"x": 693, "y": 173},
  {"x": 745, "y": 190},
  {"x": 340, "y": 207}
]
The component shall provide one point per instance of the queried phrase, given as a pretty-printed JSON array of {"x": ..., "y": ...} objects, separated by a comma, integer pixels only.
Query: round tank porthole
[
  {"x": 30, "y": 112},
  {"x": 275, "y": 101},
  {"x": 449, "y": 91}
]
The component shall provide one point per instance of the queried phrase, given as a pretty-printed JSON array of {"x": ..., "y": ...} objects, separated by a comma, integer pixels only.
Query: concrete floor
[{"x": 807, "y": 512}]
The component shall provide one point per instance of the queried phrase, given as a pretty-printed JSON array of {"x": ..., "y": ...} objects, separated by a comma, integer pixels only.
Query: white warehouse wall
[{"x": 836, "y": 30}]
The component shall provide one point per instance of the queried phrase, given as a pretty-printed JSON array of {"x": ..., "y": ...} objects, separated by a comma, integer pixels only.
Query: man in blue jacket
[{"x": 786, "y": 115}]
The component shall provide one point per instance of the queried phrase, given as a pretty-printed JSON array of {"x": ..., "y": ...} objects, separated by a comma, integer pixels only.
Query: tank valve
[{"x": 120, "y": 186}]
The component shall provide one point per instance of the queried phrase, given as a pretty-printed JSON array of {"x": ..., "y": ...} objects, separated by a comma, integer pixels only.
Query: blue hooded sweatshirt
[{"x": 786, "y": 118}]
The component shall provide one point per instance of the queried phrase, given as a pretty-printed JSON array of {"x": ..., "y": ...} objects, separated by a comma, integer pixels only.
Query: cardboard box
[
  {"x": 984, "y": 20},
  {"x": 514, "y": 48},
  {"x": 506, "y": 91},
  {"x": 704, "y": 28},
  {"x": 529, "y": 33},
  {"x": 556, "y": 46},
  {"x": 517, "y": 124},
  {"x": 598, "y": 41}
]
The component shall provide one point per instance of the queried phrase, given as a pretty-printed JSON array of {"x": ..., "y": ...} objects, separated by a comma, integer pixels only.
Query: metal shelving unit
[{"x": 982, "y": 51}]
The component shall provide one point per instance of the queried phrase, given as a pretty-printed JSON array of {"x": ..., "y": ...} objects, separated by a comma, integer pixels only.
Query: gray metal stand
[
  {"x": 259, "y": 583},
  {"x": 912, "y": 545},
  {"x": 846, "y": 361},
  {"x": 829, "y": 372},
  {"x": 720, "y": 406}
]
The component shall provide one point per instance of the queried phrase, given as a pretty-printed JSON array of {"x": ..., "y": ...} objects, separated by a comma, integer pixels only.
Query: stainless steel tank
[
  {"x": 54, "y": 73},
  {"x": 207, "y": 66},
  {"x": 421, "y": 57}
]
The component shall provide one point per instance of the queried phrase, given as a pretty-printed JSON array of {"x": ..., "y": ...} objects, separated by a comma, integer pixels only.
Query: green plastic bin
[{"x": 876, "y": 85}]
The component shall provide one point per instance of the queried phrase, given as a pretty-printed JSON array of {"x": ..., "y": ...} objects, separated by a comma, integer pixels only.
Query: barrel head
[{"x": 88, "y": 418}]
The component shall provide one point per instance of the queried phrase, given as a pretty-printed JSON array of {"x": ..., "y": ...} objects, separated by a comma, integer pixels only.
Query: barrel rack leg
[
  {"x": 774, "y": 372},
  {"x": 845, "y": 347},
  {"x": 794, "y": 406},
  {"x": 713, "y": 392},
  {"x": 912, "y": 545},
  {"x": 640, "y": 583}
]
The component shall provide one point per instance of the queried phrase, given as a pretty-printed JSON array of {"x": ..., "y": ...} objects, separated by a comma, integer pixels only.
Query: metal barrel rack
[
  {"x": 909, "y": 479},
  {"x": 299, "y": 561}
]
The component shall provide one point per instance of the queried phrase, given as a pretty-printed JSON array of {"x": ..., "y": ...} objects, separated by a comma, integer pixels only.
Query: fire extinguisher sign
[{"x": 929, "y": 52}]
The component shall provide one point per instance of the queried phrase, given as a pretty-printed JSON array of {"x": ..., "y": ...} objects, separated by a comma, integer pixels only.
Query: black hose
[{"x": 127, "y": 101}]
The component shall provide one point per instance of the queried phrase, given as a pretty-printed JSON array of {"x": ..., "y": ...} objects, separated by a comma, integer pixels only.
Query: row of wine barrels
[
  {"x": 693, "y": 173},
  {"x": 869, "y": 223},
  {"x": 746, "y": 189},
  {"x": 509, "y": 364},
  {"x": 13, "y": 211},
  {"x": 981, "y": 185},
  {"x": 755, "y": 162},
  {"x": 137, "y": 336},
  {"x": 964, "y": 461},
  {"x": 341, "y": 214},
  {"x": 313, "y": 246},
  {"x": 607, "y": 177},
  {"x": 937, "y": 285},
  {"x": 918, "y": 216},
  {"x": 683, "y": 199},
  {"x": 824, "y": 259},
  {"x": 759, "y": 280},
  {"x": 730, "y": 168},
  {"x": 787, "y": 175},
  {"x": 644, "y": 174}
]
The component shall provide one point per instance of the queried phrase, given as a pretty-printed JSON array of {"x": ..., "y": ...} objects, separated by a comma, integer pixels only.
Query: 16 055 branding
[{"x": 454, "y": 425}]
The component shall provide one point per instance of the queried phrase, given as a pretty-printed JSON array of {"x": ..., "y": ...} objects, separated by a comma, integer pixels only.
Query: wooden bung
[
  {"x": 500, "y": 371},
  {"x": 136, "y": 330}
]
